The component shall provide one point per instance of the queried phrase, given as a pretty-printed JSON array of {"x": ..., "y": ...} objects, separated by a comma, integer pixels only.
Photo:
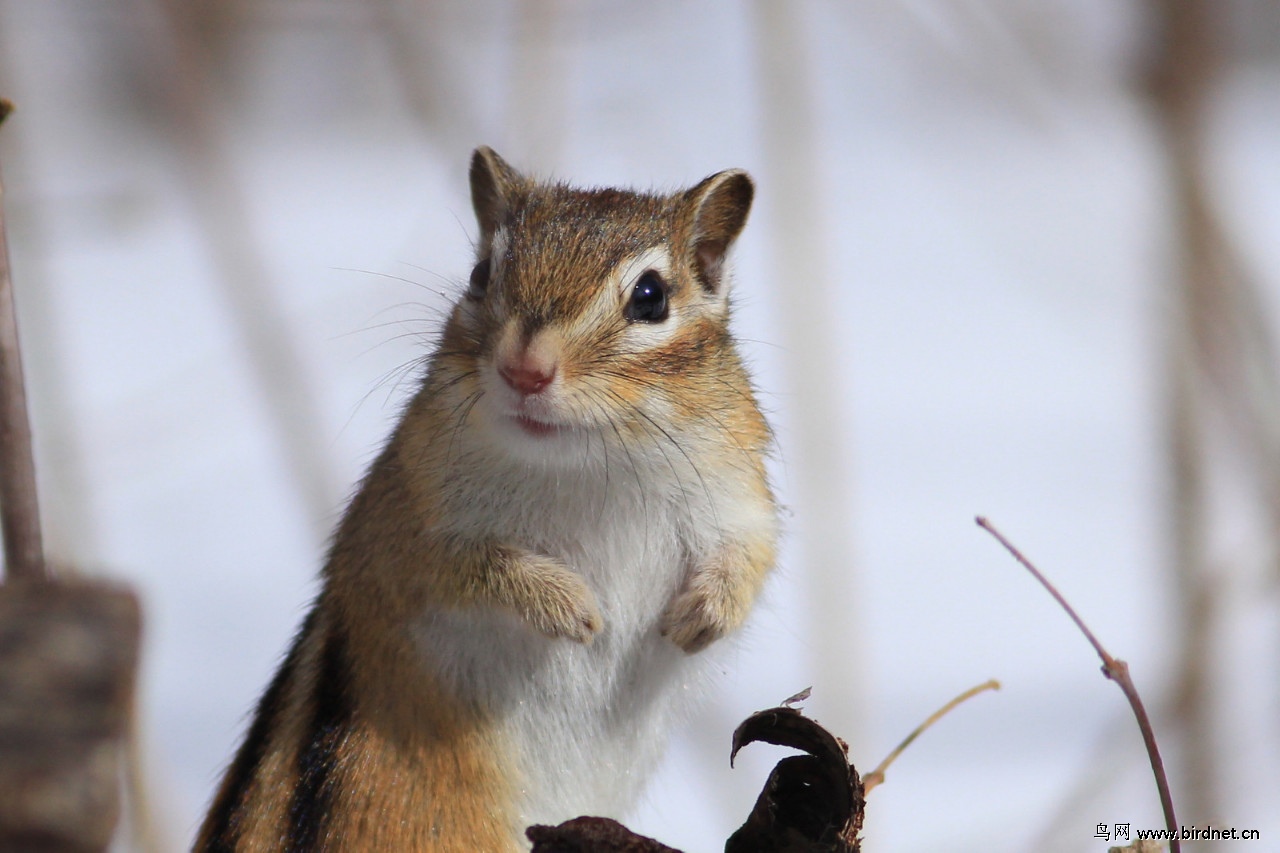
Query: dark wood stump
[{"x": 68, "y": 664}]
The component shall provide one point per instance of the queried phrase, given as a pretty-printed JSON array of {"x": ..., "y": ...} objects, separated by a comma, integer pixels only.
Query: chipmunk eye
[
  {"x": 479, "y": 280},
  {"x": 648, "y": 302}
]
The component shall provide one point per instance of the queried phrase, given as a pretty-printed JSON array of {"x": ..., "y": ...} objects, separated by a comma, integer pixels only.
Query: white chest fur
[{"x": 588, "y": 722}]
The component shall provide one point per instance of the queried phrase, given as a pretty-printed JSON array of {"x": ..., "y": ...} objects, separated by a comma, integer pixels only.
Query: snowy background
[{"x": 235, "y": 225}]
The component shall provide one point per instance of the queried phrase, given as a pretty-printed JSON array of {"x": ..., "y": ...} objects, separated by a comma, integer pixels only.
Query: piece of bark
[
  {"x": 592, "y": 835},
  {"x": 68, "y": 665},
  {"x": 811, "y": 803}
]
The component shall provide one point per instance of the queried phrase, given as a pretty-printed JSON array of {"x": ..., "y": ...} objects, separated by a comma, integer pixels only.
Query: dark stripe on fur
[
  {"x": 221, "y": 831},
  {"x": 331, "y": 717}
]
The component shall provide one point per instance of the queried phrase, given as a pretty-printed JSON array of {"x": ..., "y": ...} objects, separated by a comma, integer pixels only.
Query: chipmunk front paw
[
  {"x": 558, "y": 602},
  {"x": 706, "y": 610}
]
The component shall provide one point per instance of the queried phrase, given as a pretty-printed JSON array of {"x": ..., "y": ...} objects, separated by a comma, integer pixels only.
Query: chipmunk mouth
[
  {"x": 535, "y": 416},
  {"x": 537, "y": 419},
  {"x": 535, "y": 427}
]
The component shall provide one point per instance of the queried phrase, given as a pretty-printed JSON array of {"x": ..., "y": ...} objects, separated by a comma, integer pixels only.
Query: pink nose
[{"x": 527, "y": 376}]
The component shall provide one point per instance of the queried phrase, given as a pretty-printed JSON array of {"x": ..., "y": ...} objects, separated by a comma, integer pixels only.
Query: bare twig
[
  {"x": 1114, "y": 669},
  {"x": 19, "y": 509},
  {"x": 876, "y": 777},
  {"x": 67, "y": 507}
]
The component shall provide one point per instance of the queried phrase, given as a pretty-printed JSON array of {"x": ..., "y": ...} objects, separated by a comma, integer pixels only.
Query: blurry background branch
[
  {"x": 19, "y": 506},
  {"x": 1221, "y": 380},
  {"x": 201, "y": 128},
  {"x": 791, "y": 144},
  {"x": 68, "y": 651}
]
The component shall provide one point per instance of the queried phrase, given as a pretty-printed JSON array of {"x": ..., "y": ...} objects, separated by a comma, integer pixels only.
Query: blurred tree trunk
[
  {"x": 1221, "y": 381},
  {"x": 1183, "y": 64},
  {"x": 820, "y": 467}
]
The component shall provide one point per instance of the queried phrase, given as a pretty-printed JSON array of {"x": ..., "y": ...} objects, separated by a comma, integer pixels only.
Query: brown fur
[{"x": 409, "y": 748}]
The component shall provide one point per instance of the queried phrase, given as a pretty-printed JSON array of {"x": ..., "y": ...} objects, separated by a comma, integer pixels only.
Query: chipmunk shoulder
[{"x": 572, "y": 508}]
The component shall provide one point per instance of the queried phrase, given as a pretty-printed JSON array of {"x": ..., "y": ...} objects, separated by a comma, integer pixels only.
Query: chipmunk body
[{"x": 573, "y": 506}]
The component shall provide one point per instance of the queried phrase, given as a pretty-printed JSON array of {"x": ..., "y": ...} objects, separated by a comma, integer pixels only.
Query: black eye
[
  {"x": 479, "y": 280},
  {"x": 648, "y": 300}
]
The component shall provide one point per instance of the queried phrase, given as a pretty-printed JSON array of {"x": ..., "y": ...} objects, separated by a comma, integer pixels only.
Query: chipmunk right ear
[
  {"x": 719, "y": 206},
  {"x": 494, "y": 185}
]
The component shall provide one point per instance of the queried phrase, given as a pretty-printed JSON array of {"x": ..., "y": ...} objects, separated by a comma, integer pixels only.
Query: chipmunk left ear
[
  {"x": 718, "y": 206},
  {"x": 494, "y": 186}
]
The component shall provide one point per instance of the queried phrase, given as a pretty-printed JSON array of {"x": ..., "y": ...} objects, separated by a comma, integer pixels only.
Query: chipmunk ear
[
  {"x": 718, "y": 206},
  {"x": 494, "y": 186}
]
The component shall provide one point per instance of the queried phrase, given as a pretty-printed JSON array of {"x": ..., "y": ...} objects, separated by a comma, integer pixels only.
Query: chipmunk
[{"x": 573, "y": 506}]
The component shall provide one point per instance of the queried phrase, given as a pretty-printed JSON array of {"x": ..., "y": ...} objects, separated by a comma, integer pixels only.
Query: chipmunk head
[{"x": 595, "y": 312}]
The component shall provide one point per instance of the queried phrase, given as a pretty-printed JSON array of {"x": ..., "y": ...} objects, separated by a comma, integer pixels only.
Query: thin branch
[
  {"x": 67, "y": 522},
  {"x": 19, "y": 509},
  {"x": 1114, "y": 669},
  {"x": 876, "y": 777}
]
